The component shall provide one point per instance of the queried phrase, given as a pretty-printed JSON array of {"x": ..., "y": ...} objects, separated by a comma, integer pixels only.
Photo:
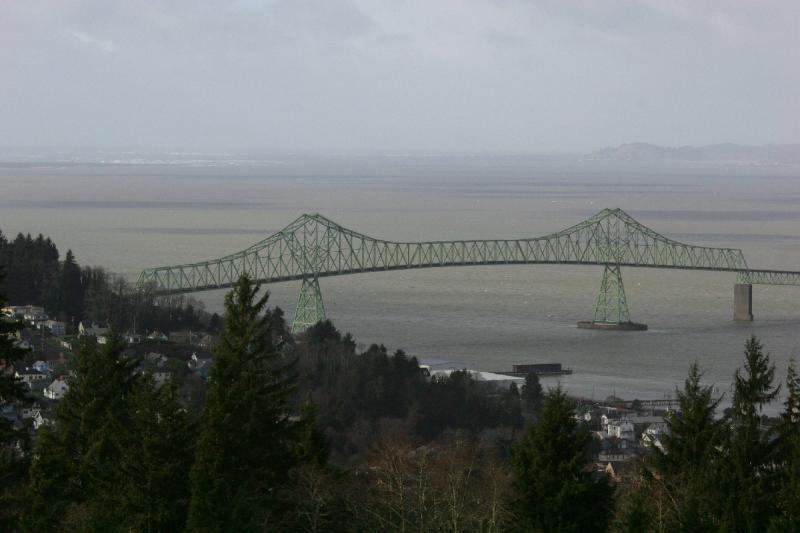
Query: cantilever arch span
[
  {"x": 314, "y": 246},
  {"x": 743, "y": 302}
]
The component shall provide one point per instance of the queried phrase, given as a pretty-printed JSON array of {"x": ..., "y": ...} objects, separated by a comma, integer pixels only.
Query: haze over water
[{"x": 129, "y": 211}]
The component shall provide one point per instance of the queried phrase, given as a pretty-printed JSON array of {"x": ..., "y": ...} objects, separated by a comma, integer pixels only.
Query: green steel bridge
[{"x": 313, "y": 247}]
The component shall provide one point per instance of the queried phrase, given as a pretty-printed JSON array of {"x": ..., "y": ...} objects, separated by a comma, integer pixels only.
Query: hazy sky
[{"x": 398, "y": 75}]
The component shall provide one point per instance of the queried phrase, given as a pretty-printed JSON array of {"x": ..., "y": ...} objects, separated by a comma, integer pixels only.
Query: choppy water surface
[{"x": 130, "y": 214}]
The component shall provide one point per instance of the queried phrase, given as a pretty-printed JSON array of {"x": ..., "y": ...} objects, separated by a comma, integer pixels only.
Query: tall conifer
[
  {"x": 84, "y": 450},
  {"x": 154, "y": 494},
  {"x": 749, "y": 480},
  {"x": 12, "y": 391},
  {"x": 247, "y": 441},
  {"x": 683, "y": 472},
  {"x": 555, "y": 488}
]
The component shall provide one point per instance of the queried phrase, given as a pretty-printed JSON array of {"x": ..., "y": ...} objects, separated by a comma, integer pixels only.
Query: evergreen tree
[
  {"x": 788, "y": 457},
  {"x": 693, "y": 431},
  {"x": 154, "y": 495},
  {"x": 683, "y": 472},
  {"x": 71, "y": 299},
  {"x": 748, "y": 482},
  {"x": 532, "y": 392},
  {"x": 85, "y": 450},
  {"x": 789, "y": 425},
  {"x": 247, "y": 442},
  {"x": 555, "y": 489},
  {"x": 787, "y": 517},
  {"x": 12, "y": 440},
  {"x": 636, "y": 517}
]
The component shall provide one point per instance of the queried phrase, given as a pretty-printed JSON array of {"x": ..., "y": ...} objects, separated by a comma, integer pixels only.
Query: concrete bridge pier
[{"x": 743, "y": 302}]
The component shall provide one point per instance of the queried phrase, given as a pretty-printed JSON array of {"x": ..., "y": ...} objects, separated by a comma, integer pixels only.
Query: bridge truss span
[{"x": 314, "y": 246}]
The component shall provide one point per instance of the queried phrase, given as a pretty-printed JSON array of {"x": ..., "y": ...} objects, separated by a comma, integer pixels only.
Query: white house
[
  {"x": 29, "y": 376},
  {"x": 57, "y": 389},
  {"x": 41, "y": 366},
  {"x": 609, "y": 417},
  {"x": 35, "y": 314},
  {"x": 40, "y": 420},
  {"x": 622, "y": 429},
  {"x": 56, "y": 328},
  {"x": 93, "y": 330},
  {"x": 653, "y": 434}
]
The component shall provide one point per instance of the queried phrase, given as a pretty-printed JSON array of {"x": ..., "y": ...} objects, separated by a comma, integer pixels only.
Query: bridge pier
[
  {"x": 310, "y": 309},
  {"x": 611, "y": 311},
  {"x": 743, "y": 302}
]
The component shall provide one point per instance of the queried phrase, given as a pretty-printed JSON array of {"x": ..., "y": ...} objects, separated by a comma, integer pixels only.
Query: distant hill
[{"x": 769, "y": 153}]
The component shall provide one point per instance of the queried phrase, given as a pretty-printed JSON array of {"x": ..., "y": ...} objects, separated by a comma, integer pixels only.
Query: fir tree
[
  {"x": 693, "y": 431},
  {"x": 788, "y": 457},
  {"x": 555, "y": 489},
  {"x": 154, "y": 495},
  {"x": 748, "y": 481},
  {"x": 85, "y": 450},
  {"x": 532, "y": 392},
  {"x": 683, "y": 472},
  {"x": 247, "y": 442},
  {"x": 12, "y": 440},
  {"x": 71, "y": 298},
  {"x": 787, "y": 517}
]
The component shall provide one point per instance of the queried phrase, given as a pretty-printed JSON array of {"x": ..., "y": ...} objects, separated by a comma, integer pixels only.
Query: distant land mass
[{"x": 766, "y": 154}]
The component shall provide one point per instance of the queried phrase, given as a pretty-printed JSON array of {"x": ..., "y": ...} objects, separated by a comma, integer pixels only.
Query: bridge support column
[
  {"x": 743, "y": 302},
  {"x": 611, "y": 311},
  {"x": 310, "y": 308}
]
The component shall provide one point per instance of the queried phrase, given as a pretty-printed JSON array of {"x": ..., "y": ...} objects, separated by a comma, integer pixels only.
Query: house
[
  {"x": 206, "y": 341},
  {"x": 31, "y": 411},
  {"x": 133, "y": 338},
  {"x": 157, "y": 336},
  {"x": 653, "y": 434},
  {"x": 41, "y": 366},
  {"x": 30, "y": 376},
  {"x": 56, "y": 328},
  {"x": 200, "y": 365},
  {"x": 31, "y": 313},
  {"x": 35, "y": 314},
  {"x": 67, "y": 344},
  {"x": 182, "y": 337},
  {"x": 22, "y": 344},
  {"x": 616, "y": 454},
  {"x": 621, "y": 429},
  {"x": 102, "y": 339},
  {"x": 199, "y": 361},
  {"x": 93, "y": 330},
  {"x": 10, "y": 310},
  {"x": 609, "y": 416},
  {"x": 57, "y": 389},
  {"x": 41, "y": 419}
]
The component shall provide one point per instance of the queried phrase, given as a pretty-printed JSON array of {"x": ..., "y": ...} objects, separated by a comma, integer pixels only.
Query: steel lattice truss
[{"x": 313, "y": 246}]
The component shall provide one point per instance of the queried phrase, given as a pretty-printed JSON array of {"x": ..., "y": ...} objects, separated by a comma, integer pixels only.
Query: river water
[{"x": 130, "y": 211}]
